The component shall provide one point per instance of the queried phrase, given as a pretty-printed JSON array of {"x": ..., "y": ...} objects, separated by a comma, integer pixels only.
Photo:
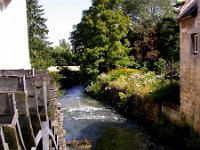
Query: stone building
[{"x": 189, "y": 20}]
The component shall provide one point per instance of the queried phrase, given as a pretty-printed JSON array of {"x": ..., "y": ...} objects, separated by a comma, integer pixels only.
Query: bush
[
  {"x": 126, "y": 83},
  {"x": 95, "y": 89},
  {"x": 57, "y": 81},
  {"x": 122, "y": 72},
  {"x": 56, "y": 77},
  {"x": 166, "y": 92}
]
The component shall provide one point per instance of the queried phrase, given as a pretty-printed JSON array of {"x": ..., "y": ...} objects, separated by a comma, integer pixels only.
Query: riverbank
[{"x": 152, "y": 100}]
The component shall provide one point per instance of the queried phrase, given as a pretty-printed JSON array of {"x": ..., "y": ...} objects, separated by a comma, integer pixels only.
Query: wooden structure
[{"x": 30, "y": 115}]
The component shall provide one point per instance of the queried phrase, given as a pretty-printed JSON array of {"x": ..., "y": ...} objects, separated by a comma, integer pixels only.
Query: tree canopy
[
  {"x": 62, "y": 54},
  {"x": 40, "y": 51},
  {"x": 99, "y": 40},
  {"x": 154, "y": 31},
  {"x": 148, "y": 10}
]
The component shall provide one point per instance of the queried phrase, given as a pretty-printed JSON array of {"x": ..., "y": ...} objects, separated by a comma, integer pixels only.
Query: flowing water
[{"x": 87, "y": 118}]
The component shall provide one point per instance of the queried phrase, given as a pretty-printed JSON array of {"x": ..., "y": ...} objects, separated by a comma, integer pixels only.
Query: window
[
  {"x": 194, "y": 34},
  {"x": 195, "y": 43}
]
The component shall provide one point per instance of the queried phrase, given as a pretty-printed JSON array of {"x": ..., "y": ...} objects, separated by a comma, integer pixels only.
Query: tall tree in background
[
  {"x": 62, "y": 54},
  {"x": 99, "y": 40},
  {"x": 40, "y": 52},
  {"x": 150, "y": 18},
  {"x": 148, "y": 11}
]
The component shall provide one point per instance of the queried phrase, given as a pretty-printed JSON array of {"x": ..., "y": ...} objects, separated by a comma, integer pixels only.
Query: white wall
[{"x": 14, "y": 52}]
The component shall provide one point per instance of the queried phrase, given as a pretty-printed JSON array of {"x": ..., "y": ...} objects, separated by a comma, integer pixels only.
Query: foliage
[
  {"x": 166, "y": 91},
  {"x": 62, "y": 54},
  {"x": 148, "y": 10},
  {"x": 40, "y": 51},
  {"x": 96, "y": 88},
  {"x": 160, "y": 66},
  {"x": 99, "y": 40},
  {"x": 117, "y": 73},
  {"x": 168, "y": 45},
  {"x": 40, "y": 54},
  {"x": 36, "y": 21},
  {"x": 57, "y": 77},
  {"x": 154, "y": 33},
  {"x": 122, "y": 85}
]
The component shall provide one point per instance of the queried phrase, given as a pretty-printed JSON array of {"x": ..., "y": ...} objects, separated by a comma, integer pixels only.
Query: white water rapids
[{"x": 87, "y": 118}]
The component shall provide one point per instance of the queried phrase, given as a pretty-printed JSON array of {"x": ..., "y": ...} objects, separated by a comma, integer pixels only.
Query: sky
[{"x": 62, "y": 15}]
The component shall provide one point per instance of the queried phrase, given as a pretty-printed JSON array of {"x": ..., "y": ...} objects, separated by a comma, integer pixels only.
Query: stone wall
[
  {"x": 30, "y": 115},
  {"x": 143, "y": 108},
  {"x": 190, "y": 72}
]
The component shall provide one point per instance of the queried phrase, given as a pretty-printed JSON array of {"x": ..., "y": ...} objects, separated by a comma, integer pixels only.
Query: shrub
[
  {"x": 160, "y": 66},
  {"x": 120, "y": 85},
  {"x": 95, "y": 89},
  {"x": 57, "y": 81},
  {"x": 165, "y": 91},
  {"x": 122, "y": 72},
  {"x": 56, "y": 77}
]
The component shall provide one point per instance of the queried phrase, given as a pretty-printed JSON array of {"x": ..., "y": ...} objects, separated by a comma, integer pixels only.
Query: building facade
[
  {"x": 189, "y": 20},
  {"x": 13, "y": 35}
]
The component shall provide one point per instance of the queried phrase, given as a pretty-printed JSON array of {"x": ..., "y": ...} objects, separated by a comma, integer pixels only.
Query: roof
[{"x": 188, "y": 8}]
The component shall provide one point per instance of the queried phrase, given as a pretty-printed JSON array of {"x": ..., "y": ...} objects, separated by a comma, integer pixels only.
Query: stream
[{"x": 86, "y": 118}]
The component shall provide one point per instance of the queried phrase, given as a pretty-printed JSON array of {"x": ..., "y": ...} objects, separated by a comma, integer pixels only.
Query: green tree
[
  {"x": 62, "y": 54},
  {"x": 41, "y": 54},
  {"x": 145, "y": 11},
  {"x": 40, "y": 51},
  {"x": 36, "y": 21},
  {"x": 168, "y": 46},
  {"x": 168, "y": 32},
  {"x": 99, "y": 40},
  {"x": 149, "y": 19}
]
